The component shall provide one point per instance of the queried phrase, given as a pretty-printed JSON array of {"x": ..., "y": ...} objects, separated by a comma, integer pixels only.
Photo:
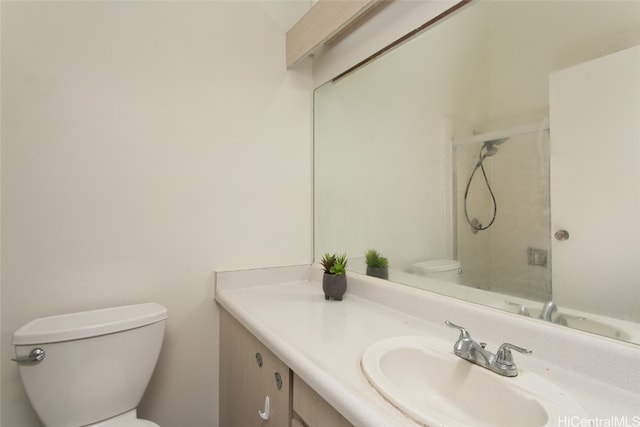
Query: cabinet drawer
[{"x": 313, "y": 409}]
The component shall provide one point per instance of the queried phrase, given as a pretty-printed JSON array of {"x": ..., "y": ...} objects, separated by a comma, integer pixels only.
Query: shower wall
[{"x": 497, "y": 259}]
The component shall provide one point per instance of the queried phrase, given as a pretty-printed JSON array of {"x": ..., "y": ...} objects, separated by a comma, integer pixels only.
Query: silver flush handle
[{"x": 35, "y": 356}]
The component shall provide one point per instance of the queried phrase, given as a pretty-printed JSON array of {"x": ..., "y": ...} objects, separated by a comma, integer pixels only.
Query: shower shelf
[{"x": 504, "y": 133}]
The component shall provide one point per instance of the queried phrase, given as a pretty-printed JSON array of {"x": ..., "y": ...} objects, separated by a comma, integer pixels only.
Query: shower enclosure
[{"x": 501, "y": 193}]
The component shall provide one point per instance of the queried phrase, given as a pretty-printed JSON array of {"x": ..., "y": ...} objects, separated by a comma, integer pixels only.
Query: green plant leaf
[{"x": 374, "y": 259}]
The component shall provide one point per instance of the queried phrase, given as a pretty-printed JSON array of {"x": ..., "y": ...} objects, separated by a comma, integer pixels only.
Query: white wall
[{"x": 145, "y": 145}]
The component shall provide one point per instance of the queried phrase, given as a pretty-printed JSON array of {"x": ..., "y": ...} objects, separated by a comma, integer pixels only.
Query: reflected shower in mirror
[
  {"x": 454, "y": 156},
  {"x": 510, "y": 182}
]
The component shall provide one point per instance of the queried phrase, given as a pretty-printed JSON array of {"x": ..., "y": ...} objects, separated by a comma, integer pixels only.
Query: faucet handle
[
  {"x": 504, "y": 356},
  {"x": 463, "y": 332},
  {"x": 522, "y": 309}
]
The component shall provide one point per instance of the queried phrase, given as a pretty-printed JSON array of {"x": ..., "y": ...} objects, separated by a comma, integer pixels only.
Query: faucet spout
[
  {"x": 480, "y": 356},
  {"x": 548, "y": 309},
  {"x": 500, "y": 363}
]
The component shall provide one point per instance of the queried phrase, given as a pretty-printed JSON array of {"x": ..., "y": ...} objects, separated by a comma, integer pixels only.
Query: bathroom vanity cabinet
[
  {"x": 249, "y": 372},
  {"x": 317, "y": 346}
]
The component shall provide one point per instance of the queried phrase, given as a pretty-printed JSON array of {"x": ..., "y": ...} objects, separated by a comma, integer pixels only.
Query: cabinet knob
[
  {"x": 278, "y": 378},
  {"x": 562, "y": 235},
  {"x": 259, "y": 360}
]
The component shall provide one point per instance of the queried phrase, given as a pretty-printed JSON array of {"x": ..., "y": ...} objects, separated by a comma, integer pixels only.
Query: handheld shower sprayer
[{"x": 488, "y": 149}]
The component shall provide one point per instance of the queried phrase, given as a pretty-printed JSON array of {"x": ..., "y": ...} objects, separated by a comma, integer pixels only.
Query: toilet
[
  {"x": 90, "y": 368},
  {"x": 443, "y": 269}
]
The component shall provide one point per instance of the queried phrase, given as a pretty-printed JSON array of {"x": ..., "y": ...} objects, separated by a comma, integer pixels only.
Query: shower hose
[{"x": 475, "y": 224}]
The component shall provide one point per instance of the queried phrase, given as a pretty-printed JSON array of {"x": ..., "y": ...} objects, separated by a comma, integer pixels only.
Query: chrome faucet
[
  {"x": 548, "y": 309},
  {"x": 500, "y": 363}
]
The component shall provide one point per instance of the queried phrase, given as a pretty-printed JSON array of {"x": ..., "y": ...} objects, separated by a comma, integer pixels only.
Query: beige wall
[{"x": 145, "y": 145}]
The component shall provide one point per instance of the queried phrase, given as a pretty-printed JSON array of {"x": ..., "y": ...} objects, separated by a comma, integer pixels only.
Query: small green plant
[
  {"x": 374, "y": 259},
  {"x": 327, "y": 262},
  {"x": 334, "y": 264},
  {"x": 340, "y": 266}
]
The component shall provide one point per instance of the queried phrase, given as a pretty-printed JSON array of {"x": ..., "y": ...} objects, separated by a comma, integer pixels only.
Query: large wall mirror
[{"x": 495, "y": 157}]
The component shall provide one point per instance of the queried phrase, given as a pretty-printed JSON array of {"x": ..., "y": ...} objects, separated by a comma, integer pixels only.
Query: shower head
[{"x": 490, "y": 147}]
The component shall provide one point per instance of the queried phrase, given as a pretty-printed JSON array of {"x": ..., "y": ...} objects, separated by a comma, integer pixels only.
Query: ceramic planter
[
  {"x": 381, "y": 272},
  {"x": 334, "y": 286}
]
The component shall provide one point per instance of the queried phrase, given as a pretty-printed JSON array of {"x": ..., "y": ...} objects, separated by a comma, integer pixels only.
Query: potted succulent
[
  {"x": 377, "y": 265},
  {"x": 334, "y": 280}
]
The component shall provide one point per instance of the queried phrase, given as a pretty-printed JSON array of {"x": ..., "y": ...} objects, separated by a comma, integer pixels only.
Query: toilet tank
[{"x": 97, "y": 363}]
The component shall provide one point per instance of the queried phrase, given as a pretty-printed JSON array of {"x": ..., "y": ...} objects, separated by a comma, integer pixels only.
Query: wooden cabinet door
[
  {"x": 276, "y": 384},
  {"x": 244, "y": 382},
  {"x": 312, "y": 409}
]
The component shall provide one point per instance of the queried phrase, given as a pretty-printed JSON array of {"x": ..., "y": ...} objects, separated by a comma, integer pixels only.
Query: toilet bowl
[
  {"x": 90, "y": 368},
  {"x": 443, "y": 269}
]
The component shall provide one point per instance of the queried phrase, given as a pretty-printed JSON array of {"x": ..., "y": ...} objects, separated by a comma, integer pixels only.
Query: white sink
[
  {"x": 423, "y": 378},
  {"x": 588, "y": 325}
]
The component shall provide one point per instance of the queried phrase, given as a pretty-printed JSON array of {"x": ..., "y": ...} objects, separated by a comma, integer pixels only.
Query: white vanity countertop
[{"x": 323, "y": 341}]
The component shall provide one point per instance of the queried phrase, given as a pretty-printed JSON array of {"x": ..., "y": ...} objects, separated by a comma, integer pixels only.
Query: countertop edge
[{"x": 361, "y": 412}]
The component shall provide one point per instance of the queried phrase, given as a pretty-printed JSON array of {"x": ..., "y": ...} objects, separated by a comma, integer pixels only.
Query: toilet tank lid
[
  {"x": 436, "y": 265},
  {"x": 86, "y": 324}
]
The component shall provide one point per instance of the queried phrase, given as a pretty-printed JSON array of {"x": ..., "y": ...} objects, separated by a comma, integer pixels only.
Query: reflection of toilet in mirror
[
  {"x": 442, "y": 269},
  {"x": 91, "y": 368}
]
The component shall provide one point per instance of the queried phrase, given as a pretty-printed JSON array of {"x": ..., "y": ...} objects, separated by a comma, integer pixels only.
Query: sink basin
[
  {"x": 598, "y": 328},
  {"x": 589, "y": 325},
  {"x": 423, "y": 378}
]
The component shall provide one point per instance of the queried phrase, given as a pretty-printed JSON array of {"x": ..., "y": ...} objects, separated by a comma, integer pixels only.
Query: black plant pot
[
  {"x": 381, "y": 272},
  {"x": 334, "y": 286}
]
